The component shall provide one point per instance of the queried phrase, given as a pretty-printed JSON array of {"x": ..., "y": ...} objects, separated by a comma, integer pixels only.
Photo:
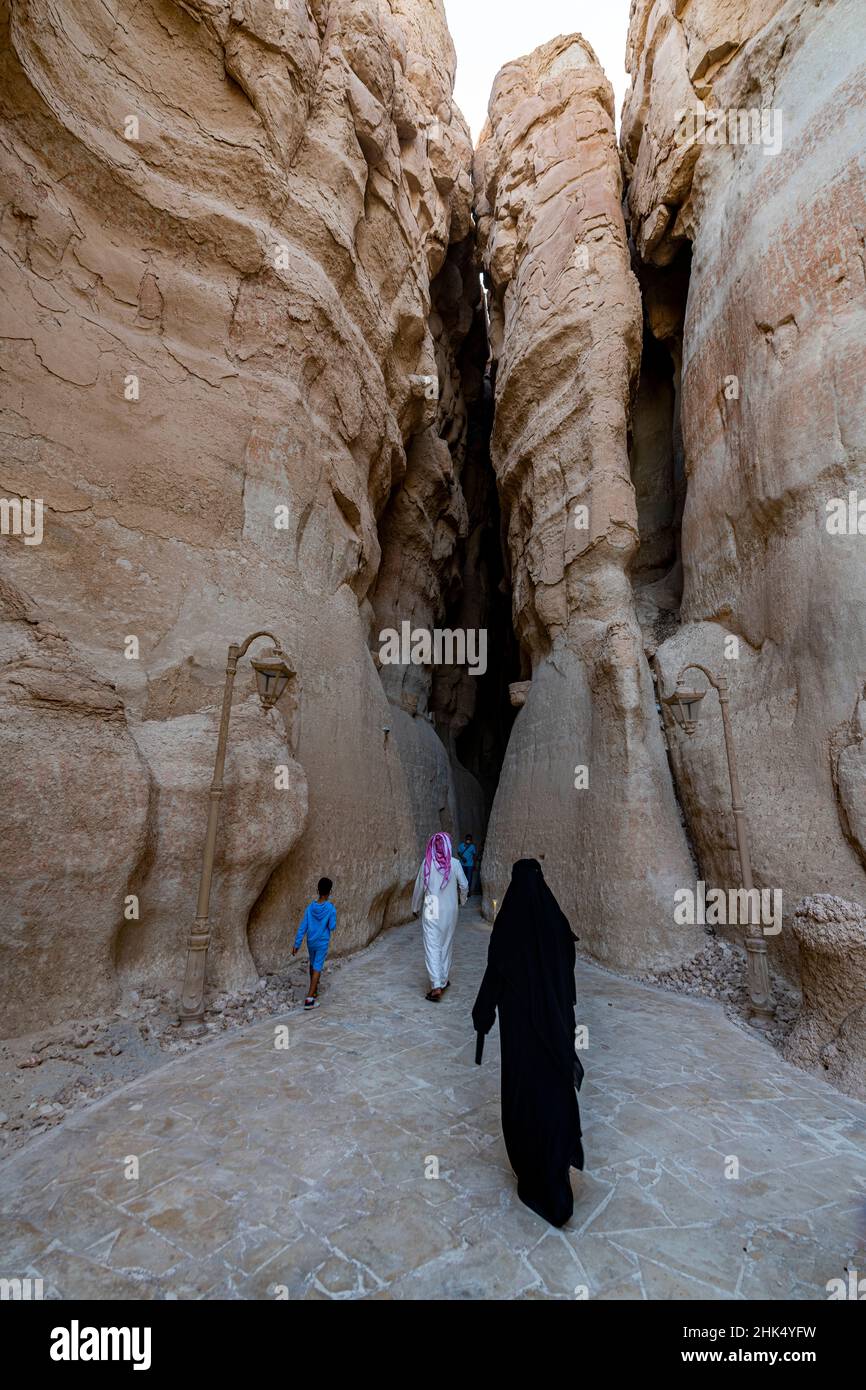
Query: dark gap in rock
[
  {"x": 480, "y": 740},
  {"x": 442, "y": 567},
  {"x": 657, "y": 462},
  {"x": 656, "y": 452}
]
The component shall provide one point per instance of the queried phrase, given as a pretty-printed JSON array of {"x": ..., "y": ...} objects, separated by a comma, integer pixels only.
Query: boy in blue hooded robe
[{"x": 317, "y": 923}]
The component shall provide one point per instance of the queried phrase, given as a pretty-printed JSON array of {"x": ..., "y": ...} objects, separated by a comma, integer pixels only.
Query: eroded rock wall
[
  {"x": 219, "y": 234},
  {"x": 829, "y": 1033},
  {"x": 566, "y": 334},
  {"x": 773, "y": 364}
]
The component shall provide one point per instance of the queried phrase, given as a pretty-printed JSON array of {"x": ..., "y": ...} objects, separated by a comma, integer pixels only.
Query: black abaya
[{"x": 530, "y": 982}]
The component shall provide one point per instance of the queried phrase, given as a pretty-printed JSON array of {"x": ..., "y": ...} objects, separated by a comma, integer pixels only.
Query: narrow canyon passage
[
  {"x": 529, "y": 471},
  {"x": 266, "y": 392},
  {"x": 359, "y": 1155}
]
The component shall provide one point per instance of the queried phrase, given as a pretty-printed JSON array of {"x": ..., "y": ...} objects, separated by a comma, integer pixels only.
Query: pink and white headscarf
[{"x": 438, "y": 848}]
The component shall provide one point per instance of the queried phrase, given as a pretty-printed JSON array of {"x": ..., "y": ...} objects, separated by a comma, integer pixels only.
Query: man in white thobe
[{"x": 440, "y": 889}]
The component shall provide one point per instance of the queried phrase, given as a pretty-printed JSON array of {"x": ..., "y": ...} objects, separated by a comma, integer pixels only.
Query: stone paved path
[{"x": 268, "y": 1173}]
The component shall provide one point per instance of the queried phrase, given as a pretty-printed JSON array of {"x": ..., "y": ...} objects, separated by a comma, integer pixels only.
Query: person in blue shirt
[
  {"x": 467, "y": 851},
  {"x": 317, "y": 923}
]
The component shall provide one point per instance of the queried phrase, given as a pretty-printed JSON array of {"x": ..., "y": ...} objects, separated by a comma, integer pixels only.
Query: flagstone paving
[{"x": 309, "y": 1171}]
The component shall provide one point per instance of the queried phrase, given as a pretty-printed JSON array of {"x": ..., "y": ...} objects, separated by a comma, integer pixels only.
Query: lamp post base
[
  {"x": 761, "y": 1018},
  {"x": 192, "y": 1026},
  {"x": 762, "y": 1012}
]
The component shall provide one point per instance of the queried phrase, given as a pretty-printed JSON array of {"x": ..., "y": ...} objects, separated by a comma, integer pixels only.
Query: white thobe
[{"x": 438, "y": 908}]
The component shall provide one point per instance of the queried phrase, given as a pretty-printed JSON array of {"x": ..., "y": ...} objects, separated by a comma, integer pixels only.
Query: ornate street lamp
[
  {"x": 685, "y": 706},
  {"x": 272, "y": 676}
]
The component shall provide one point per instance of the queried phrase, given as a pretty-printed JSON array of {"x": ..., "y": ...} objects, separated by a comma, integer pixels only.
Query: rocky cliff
[
  {"x": 743, "y": 138},
  {"x": 585, "y": 781},
  {"x": 743, "y": 134},
  {"x": 224, "y": 375}
]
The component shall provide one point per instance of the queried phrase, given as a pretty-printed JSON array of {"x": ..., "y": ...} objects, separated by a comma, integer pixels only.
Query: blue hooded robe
[{"x": 317, "y": 923}]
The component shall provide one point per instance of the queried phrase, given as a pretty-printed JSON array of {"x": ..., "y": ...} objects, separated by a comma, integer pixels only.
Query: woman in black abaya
[{"x": 530, "y": 981}]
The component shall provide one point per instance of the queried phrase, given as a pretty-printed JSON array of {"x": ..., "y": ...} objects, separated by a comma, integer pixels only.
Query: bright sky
[{"x": 489, "y": 33}]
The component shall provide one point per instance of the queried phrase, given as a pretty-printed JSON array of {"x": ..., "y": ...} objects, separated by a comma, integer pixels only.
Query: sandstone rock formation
[
  {"x": 220, "y": 230},
  {"x": 743, "y": 135},
  {"x": 250, "y": 379},
  {"x": 261, "y": 819},
  {"x": 75, "y": 807},
  {"x": 742, "y": 139},
  {"x": 566, "y": 334},
  {"x": 830, "y": 1032}
]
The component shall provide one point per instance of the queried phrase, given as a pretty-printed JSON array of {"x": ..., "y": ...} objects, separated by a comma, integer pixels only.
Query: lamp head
[
  {"x": 272, "y": 676},
  {"x": 685, "y": 706}
]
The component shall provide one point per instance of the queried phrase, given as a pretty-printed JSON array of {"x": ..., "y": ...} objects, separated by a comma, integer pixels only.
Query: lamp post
[
  {"x": 685, "y": 706},
  {"x": 272, "y": 677}
]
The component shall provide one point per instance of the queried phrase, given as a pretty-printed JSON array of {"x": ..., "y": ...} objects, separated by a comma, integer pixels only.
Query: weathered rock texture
[
  {"x": 220, "y": 229},
  {"x": 75, "y": 811},
  {"x": 761, "y": 206},
  {"x": 566, "y": 334},
  {"x": 243, "y": 351},
  {"x": 773, "y": 345},
  {"x": 830, "y": 1032}
]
